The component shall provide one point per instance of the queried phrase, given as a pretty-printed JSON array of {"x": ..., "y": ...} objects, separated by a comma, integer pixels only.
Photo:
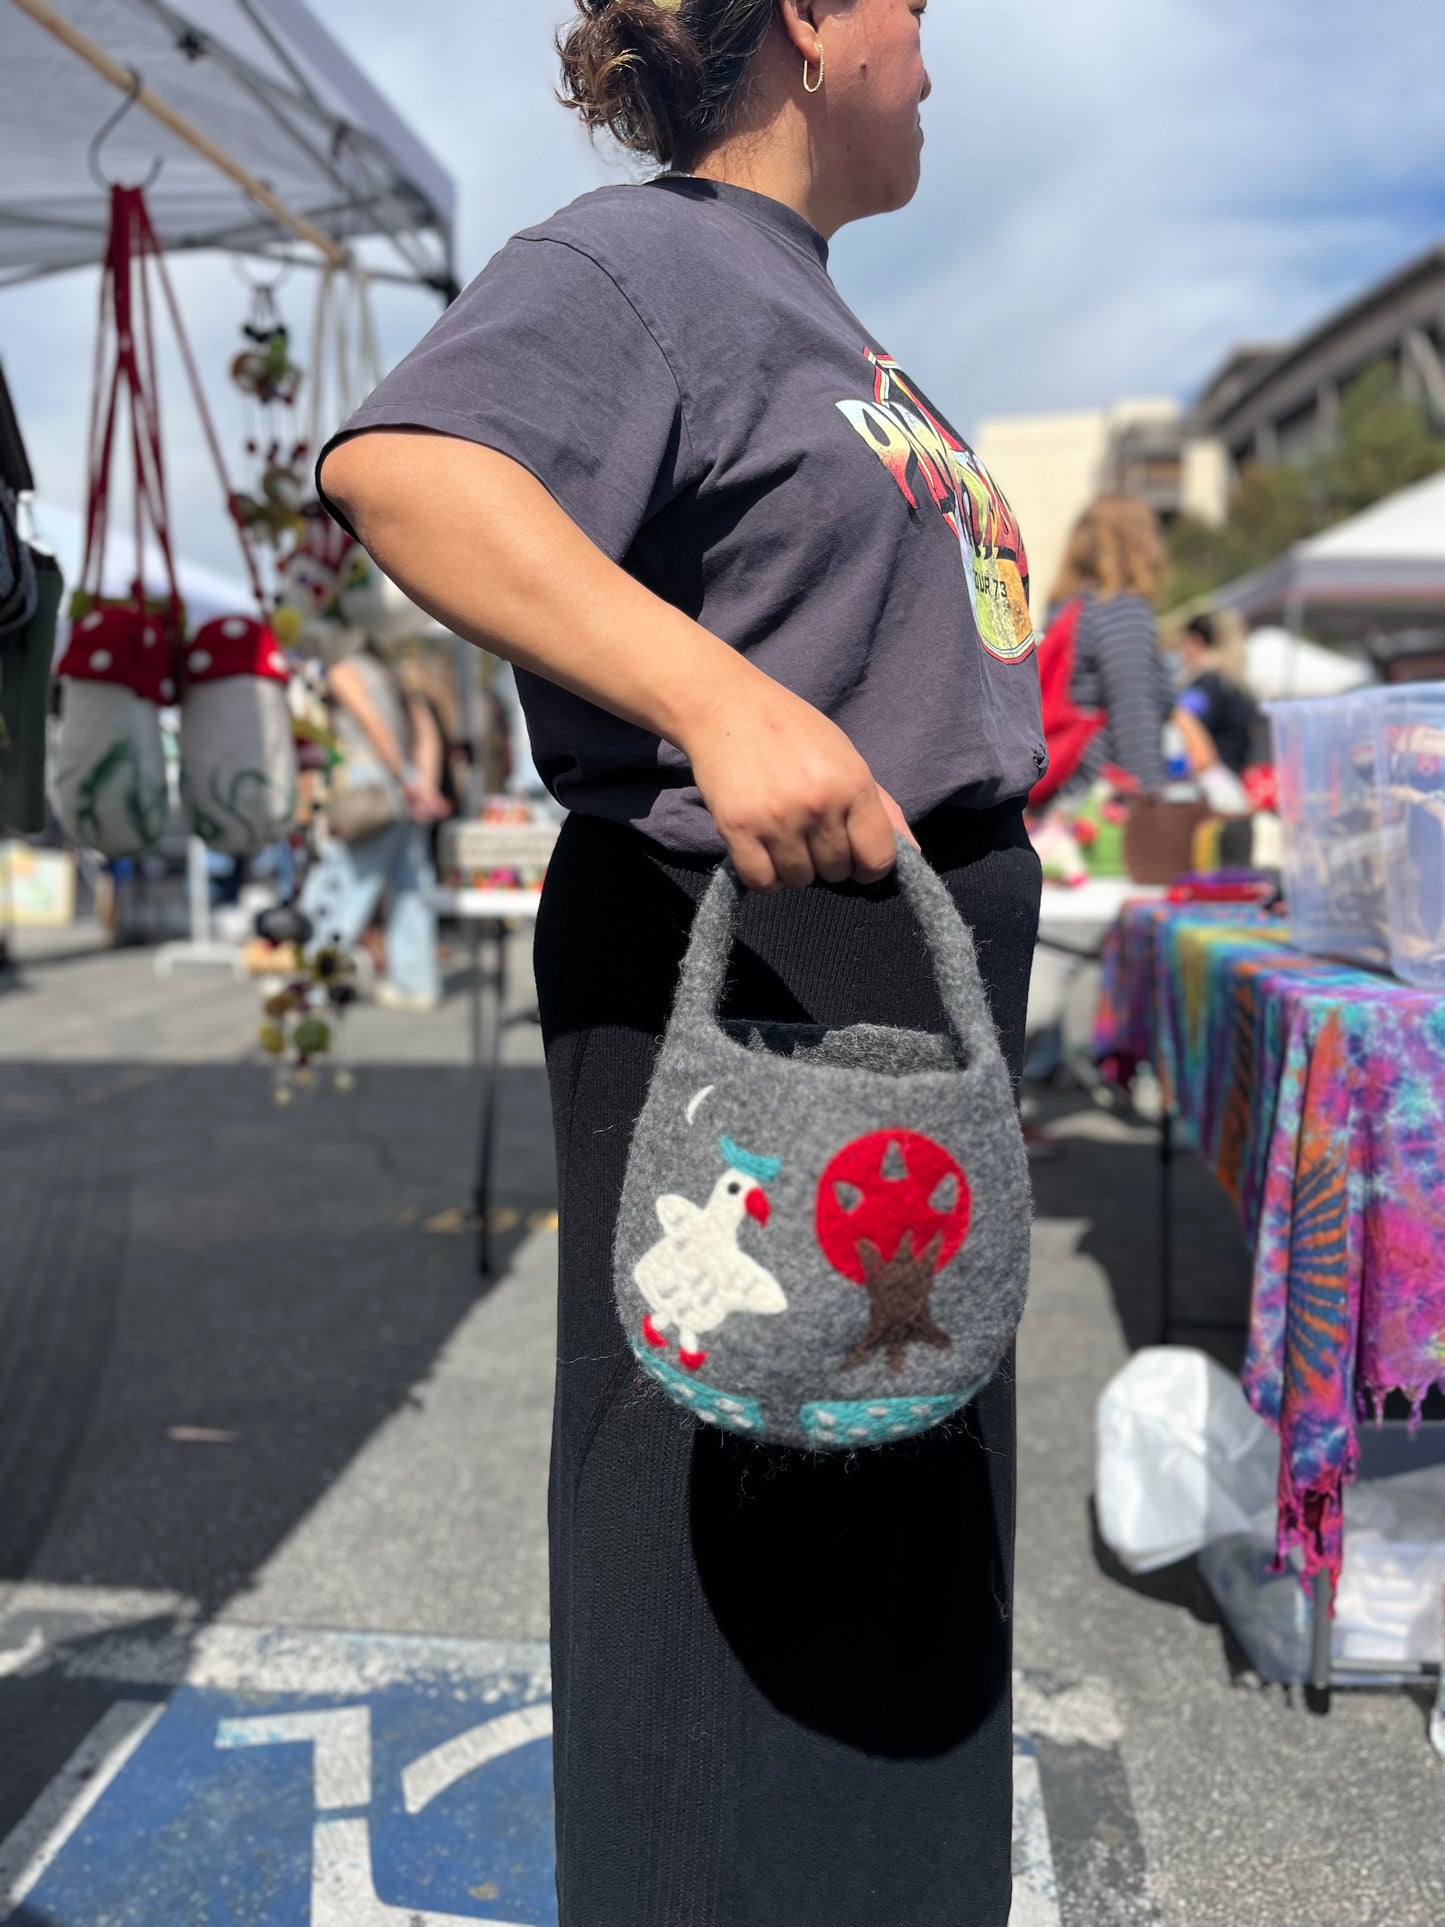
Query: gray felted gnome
[{"x": 824, "y": 1234}]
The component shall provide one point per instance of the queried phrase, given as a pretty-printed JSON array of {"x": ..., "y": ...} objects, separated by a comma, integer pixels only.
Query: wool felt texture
[
  {"x": 781, "y": 1678},
  {"x": 824, "y": 1235}
]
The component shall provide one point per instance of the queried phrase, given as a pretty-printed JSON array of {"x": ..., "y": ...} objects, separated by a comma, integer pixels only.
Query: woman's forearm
[
  {"x": 348, "y": 687},
  {"x": 426, "y": 740},
  {"x": 478, "y": 542}
]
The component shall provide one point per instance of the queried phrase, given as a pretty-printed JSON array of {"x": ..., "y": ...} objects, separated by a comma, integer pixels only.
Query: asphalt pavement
[{"x": 273, "y": 1467}]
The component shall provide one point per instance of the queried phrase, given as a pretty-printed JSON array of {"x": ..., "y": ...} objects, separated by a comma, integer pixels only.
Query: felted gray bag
[{"x": 824, "y": 1234}]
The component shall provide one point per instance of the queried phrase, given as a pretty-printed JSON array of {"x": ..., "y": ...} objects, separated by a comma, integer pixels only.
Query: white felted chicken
[{"x": 697, "y": 1275}]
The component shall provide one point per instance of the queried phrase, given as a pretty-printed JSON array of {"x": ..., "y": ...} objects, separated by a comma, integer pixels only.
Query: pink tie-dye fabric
[{"x": 1316, "y": 1094}]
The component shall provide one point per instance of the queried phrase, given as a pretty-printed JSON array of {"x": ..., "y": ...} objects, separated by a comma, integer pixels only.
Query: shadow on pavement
[
  {"x": 47, "y": 1714},
  {"x": 1113, "y": 1182},
  {"x": 182, "y": 1254},
  {"x": 1181, "y": 1585}
]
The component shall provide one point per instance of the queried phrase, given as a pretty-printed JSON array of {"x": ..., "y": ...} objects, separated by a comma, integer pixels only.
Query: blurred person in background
[
  {"x": 764, "y": 602},
  {"x": 1116, "y": 564},
  {"x": 1120, "y": 696},
  {"x": 428, "y": 676},
  {"x": 390, "y": 742},
  {"x": 1212, "y": 658}
]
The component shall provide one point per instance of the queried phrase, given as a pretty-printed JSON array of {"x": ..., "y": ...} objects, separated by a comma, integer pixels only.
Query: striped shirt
[{"x": 1118, "y": 668}]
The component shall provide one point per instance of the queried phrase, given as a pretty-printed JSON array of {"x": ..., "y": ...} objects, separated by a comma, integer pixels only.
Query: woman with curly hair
[{"x": 764, "y": 603}]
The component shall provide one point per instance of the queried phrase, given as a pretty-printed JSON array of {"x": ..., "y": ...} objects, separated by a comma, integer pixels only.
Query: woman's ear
[{"x": 800, "y": 21}]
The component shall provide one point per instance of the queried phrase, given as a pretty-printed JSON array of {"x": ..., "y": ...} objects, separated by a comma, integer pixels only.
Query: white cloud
[{"x": 1114, "y": 194}]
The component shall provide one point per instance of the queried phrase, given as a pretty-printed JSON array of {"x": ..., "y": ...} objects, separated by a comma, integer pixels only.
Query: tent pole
[{"x": 45, "y": 15}]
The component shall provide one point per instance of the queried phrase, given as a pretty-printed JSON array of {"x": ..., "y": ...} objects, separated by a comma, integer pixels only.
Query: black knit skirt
[{"x": 781, "y": 1681}]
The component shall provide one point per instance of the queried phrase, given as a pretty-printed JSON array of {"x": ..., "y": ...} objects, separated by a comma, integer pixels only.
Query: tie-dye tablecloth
[{"x": 1316, "y": 1094}]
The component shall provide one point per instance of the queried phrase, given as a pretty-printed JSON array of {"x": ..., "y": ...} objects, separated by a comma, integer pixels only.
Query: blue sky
[{"x": 1114, "y": 195}]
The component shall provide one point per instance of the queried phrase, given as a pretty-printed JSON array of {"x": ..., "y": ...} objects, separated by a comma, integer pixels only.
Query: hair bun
[{"x": 633, "y": 67}]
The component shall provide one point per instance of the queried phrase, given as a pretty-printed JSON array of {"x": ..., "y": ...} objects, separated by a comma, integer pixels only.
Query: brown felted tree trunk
[{"x": 898, "y": 1292}]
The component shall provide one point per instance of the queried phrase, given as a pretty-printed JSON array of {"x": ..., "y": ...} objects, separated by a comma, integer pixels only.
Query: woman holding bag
[{"x": 763, "y": 602}]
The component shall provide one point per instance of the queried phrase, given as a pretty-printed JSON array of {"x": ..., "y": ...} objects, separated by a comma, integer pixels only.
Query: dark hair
[
  {"x": 1201, "y": 626},
  {"x": 662, "y": 76}
]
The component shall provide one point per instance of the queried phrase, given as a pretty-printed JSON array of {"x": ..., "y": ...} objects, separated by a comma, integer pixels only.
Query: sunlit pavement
[{"x": 272, "y": 1541}]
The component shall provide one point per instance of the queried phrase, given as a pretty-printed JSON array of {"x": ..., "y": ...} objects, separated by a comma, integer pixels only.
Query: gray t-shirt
[{"x": 673, "y": 363}]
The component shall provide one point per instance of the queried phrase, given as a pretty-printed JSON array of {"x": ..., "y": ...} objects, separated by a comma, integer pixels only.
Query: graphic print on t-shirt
[{"x": 921, "y": 452}]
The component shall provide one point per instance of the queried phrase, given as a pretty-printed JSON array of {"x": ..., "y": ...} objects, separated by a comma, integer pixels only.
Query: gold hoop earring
[{"x": 806, "y": 65}]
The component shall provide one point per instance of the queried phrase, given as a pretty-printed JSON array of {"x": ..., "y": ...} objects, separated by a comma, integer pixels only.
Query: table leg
[
  {"x": 474, "y": 946},
  {"x": 1166, "y": 1227},
  {"x": 1321, "y": 1643}
]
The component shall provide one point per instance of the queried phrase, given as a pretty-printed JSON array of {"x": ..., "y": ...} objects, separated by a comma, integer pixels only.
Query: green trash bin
[{"x": 26, "y": 654}]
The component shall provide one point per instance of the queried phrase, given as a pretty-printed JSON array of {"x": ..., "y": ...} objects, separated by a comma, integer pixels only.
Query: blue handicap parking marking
[
  {"x": 402, "y": 1793},
  {"x": 239, "y": 1777},
  {"x": 174, "y": 1838}
]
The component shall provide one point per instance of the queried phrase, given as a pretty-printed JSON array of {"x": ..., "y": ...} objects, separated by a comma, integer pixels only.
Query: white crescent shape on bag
[{"x": 692, "y": 1109}]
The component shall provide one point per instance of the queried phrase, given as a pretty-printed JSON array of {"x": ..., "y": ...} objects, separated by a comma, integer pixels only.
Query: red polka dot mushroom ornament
[
  {"x": 238, "y": 752},
  {"x": 110, "y": 771}
]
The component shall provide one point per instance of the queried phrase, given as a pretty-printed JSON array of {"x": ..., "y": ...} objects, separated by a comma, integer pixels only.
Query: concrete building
[
  {"x": 1270, "y": 402},
  {"x": 1052, "y": 466}
]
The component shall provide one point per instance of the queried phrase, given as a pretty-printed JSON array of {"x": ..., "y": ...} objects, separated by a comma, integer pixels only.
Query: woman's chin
[{"x": 903, "y": 187}]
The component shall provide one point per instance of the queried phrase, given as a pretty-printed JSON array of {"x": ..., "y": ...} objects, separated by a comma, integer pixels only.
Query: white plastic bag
[
  {"x": 1181, "y": 1459},
  {"x": 1388, "y": 1605}
]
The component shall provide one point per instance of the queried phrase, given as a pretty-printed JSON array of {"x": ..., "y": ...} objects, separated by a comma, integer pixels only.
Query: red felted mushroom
[
  {"x": 110, "y": 782},
  {"x": 238, "y": 757},
  {"x": 234, "y": 646}
]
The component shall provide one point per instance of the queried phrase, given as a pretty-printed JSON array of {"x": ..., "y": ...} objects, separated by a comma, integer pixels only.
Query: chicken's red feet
[
  {"x": 652, "y": 1334},
  {"x": 692, "y": 1361}
]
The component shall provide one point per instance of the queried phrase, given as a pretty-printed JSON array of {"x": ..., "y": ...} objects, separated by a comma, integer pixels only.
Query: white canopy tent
[
  {"x": 1381, "y": 571},
  {"x": 1279, "y": 664},
  {"x": 262, "y": 81}
]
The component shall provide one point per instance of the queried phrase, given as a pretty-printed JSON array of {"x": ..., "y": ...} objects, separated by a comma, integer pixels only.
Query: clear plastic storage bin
[
  {"x": 1409, "y": 731},
  {"x": 1329, "y": 803}
]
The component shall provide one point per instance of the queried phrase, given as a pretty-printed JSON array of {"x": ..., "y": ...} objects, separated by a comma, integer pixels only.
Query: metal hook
[
  {"x": 103, "y": 134},
  {"x": 284, "y": 271}
]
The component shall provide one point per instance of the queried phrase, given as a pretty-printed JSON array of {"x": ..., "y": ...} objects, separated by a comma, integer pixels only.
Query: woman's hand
[
  {"x": 791, "y": 797},
  {"x": 424, "y": 802}
]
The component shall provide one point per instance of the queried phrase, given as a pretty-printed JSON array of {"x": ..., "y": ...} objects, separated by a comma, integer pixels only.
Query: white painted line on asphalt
[
  {"x": 232, "y": 1658},
  {"x": 434, "y": 1772},
  {"x": 1079, "y": 1713},
  {"x": 343, "y": 1891},
  {"x": 40, "y": 1836},
  {"x": 99, "y": 1605},
  {"x": 341, "y": 1740},
  {"x": 1036, "y": 1892},
  {"x": 14, "y": 1659}
]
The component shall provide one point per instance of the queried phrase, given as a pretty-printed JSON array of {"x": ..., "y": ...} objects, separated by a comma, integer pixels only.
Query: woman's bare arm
[
  {"x": 424, "y": 797},
  {"x": 424, "y": 800},
  {"x": 347, "y": 686},
  {"x": 476, "y": 540}
]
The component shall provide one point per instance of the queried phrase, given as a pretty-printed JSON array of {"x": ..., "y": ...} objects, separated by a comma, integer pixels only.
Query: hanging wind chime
[
  {"x": 270, "y": 380},
  {"x": 330, "y": 594}
]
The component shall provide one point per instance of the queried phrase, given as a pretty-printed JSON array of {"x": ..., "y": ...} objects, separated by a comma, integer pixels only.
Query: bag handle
[{"x": 946, "y": 937}]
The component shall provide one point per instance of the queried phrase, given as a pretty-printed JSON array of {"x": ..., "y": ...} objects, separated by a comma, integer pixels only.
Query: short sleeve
[{"x": 546, "y": 360}]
